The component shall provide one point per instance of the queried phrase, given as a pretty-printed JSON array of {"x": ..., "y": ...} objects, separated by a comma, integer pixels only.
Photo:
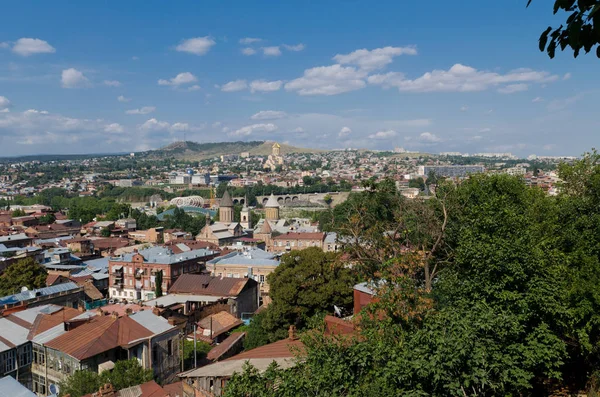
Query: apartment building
[{"x": 133, "y": 275}]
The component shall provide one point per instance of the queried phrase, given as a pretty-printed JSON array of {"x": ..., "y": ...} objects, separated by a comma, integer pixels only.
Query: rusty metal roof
[
  {"x": 202, "y": 284},
  {"x": 100, "y": 334},
  {"x": 300, "y": 236}
]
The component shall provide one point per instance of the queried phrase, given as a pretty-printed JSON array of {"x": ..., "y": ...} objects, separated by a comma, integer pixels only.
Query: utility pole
[{"x": 195, "y": 354}]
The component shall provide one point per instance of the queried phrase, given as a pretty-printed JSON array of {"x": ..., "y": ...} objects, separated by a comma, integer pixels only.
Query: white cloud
[
  {"x": 269, "y": 115},
  {"x": 114, "y": 128},
  {"x": 180, "y": 79},
  {"x": 298, "y": 130},
  {"x": 464, "y": 108},
  {"x": 177, "y": 127},
  {"x": 512, "y": 88},
  {"x": 549, "y": 146},
  {"x": 373, "y": 59},
  {"x": 485, "y": 129},
  {"x": 233, "y": 86},
  {"x": 27, "y": 46},
  {"x": 460, "y": 78},
  {"x": 537, "y": 99},
  {"x": 272, "y": 51},
  {"x": 73, "y": 78},
  {"x": 248, "y": 51},
  {"x": 112, "y": 83},
  {"x": 41, "y": 127},
  {"x": 217, "y": 124},
  {"x": 345, "y": 131},
  {"x": 428, "y": 137},
  {"x": 251, "y": 129},
  {"x": 121, "y": 98},
  {"x": 4, "y": 44},
  {"x": 156, "y": 126},
  {"x": 249, "y": 40},
  {"x": 143, "y": 110},
  {"x": 297, "y": 47},
  {"x": 328, "y": 80},
  {"x": 196, "y": 45},
  {"x": 265, "y": 86},
  {"x": 567, "y": 76},
  {"x": 383, "y": 134},
  {"x": 195, "y": 87},
  {"x": 153, "y": 124},
  {"x": 561, "y": 104},
  {"x": 4, "y": 102},
  {"x": 135, "y": 58}
]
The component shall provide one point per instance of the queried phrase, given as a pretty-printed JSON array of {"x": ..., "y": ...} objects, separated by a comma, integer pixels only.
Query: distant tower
[
  {"x": 276, "y": 149},
  {"x": 272, "y": 209},
  {"x": 226, "y": 208},
  {"x": 246, "y": 220}
]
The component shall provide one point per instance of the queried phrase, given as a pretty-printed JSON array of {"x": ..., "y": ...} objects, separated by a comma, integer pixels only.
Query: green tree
[
  {"x": 581, "y": 29},
  {"x": 158, "y": 280},
  {"x": 105, "y": 232},
  {"x": 80, "y": 383},
  {"x": 23, "y": 273},
  {"x": 202, "y": 349},
  {"x": 18, "y": 213},
  {"x": 47, "y": 219},
  {"x": 127, "y": 373},
  {"x": 306, "y": 283}
]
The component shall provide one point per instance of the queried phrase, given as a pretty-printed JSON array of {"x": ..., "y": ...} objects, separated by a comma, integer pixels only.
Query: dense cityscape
[{"x": 393, "y": 223}]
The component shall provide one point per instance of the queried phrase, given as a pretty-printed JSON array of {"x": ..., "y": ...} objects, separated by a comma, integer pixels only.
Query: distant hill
[{"x": 200, "y": 151}]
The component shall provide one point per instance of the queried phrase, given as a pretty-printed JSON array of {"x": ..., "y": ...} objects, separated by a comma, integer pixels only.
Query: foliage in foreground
[
  {"x": 514, "y": 310},
  {"x": 125, "y": 374}
]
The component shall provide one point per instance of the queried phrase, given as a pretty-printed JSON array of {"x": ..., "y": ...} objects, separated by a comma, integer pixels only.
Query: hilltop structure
[{"x": 275, "y": 159}]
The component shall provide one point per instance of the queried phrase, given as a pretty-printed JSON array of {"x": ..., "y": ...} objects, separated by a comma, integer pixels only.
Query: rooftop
[
  {"x": 202, "y": 284},
  {"x": 163, "y": 255}
]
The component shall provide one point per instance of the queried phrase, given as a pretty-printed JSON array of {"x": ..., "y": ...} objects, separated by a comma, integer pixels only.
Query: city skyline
[{"x": 88, "y": 79}]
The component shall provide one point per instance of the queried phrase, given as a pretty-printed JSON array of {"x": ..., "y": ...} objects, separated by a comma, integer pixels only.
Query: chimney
[
  {"x": 81, "y": 308},
  {"x": 114, "y": 315},
  {"x": 292, "y": 333},
  {"x": 106, "y": 391},
  {"x": 128, "y": 311}
]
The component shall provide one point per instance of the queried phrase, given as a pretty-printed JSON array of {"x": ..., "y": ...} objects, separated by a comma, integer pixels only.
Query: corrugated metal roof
[
  {"x": 152, "y": 322},
  {"x": 99, "y": 335},
  {"x": 201, "y": 284},
  {"x": 12, "y": 334},
  {"x": 165, "y": 256},
  {"x": 10, "y": 387}
]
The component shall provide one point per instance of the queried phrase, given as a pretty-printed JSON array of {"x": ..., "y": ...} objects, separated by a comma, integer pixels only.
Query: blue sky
[{"x": 108, "y": 76}]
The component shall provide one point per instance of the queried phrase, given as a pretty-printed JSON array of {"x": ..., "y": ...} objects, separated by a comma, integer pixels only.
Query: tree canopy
[
  {"x": 511, "y": 310},
  {"x": 23, "y": 273},
  {"x": 581, "y": 30},
  {"x": 126, "y": 373}
]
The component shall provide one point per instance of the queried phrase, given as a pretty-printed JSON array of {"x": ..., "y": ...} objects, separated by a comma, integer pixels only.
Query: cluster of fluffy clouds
[
  {"x": 253, "y": 86},
  {"x": 252, "y": 47},
  {"x": 29, "y": 46}
]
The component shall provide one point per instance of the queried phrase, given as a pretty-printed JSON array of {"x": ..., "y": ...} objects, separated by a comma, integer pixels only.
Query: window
[
  {"x": 9, "y": 361},
  {"x": 262, "y": 278},
  {"x": 154, "y": 355},
  {"x": 229, "y": 275},
  {"x": 169, "y": 347},
  {"x": 236, "y": 275},
  {"x": 39, "y": 384},
  {"x": 25, "y": 355},
  {"x": 131, "y": 294}
]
